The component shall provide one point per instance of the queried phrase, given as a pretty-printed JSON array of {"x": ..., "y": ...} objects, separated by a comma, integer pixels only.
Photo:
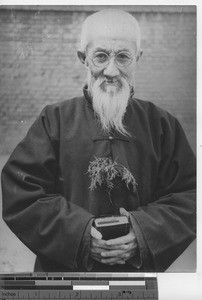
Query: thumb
[
  {"x": 95, "y": 233},
  {"x": 124, "y": 212}
]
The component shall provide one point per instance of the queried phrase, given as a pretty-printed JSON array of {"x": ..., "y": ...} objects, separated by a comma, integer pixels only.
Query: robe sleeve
[
  {"x": 167, "y": 225},
  {"x": 46, "y": 222}
]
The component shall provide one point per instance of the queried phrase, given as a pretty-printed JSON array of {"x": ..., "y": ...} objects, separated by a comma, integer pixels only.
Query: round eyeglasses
[{"x": 102, "y": 59}]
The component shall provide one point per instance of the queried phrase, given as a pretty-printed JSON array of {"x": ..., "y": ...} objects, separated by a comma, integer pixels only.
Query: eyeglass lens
[{"x": 102, "y": 59}]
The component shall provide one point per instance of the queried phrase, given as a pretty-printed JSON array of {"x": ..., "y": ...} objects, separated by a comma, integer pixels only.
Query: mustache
[{"x": 117, "y": 81}]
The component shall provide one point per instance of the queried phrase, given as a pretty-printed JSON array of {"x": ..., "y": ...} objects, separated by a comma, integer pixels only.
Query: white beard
[{"x": 110, "y": 101}]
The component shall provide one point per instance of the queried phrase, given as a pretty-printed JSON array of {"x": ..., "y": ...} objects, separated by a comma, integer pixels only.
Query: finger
[
  {"x": 116, "y": 247},
  {"x": 112, "y": 257},
  {"x": 95, "y": 233},
  {"x": 96, "y": 256},
  {"x": 130, "y": 251},
  {"x": 124, "y": 212},
  {"x": 115, "y": 253},
  {"x": 111, "y": 260},
  {"x": 120, "y": 262},
  {"x": 99, "y": 249},
  {"x": 102, "y": 245},
  {"x": 130, "y": 237},
  {"x": 131, "y": 245},
  {"x": 99, "y": 258}
]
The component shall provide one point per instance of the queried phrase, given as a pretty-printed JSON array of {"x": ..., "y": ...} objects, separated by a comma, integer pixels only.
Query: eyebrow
[
  {"x": 103, "y": 49},
  {"x": 100, "y": 49}
]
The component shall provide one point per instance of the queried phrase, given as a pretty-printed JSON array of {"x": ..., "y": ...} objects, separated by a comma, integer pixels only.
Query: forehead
[
  {"x": 110, "y": 29},
  {"x": 111, "y": 45}
]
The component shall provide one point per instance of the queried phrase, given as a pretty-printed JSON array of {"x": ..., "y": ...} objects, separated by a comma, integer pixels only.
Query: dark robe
[{"x": 47, "y": 202}]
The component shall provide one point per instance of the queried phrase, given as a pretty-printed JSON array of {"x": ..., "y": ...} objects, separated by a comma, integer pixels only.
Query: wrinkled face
[
  {"x": 112, "y": 60},
  {"x": 111, "y": 66}
]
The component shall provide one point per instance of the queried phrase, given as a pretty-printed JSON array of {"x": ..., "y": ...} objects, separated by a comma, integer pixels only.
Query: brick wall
[{"x": 38, "y": 63}]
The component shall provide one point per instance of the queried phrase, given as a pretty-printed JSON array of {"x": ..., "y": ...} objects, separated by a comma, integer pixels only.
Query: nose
[{"x": 111, "y": 70}]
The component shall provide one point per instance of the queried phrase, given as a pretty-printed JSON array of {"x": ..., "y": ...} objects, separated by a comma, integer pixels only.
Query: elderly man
[{"x": 105, "y": 153}]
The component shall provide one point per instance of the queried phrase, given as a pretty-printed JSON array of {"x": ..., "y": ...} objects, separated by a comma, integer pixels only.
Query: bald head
[{"x": 110, "y": 23}]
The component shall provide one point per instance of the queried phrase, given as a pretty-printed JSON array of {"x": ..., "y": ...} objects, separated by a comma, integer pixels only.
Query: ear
[
  {"x": 81, "y": 55},
  {"x": 139, "y": 55}
]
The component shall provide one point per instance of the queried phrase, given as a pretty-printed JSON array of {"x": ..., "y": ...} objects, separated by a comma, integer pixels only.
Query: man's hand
[{"x": 114, "y": 251}]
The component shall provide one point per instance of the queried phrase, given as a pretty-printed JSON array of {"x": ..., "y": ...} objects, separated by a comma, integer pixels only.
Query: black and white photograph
[{"x": 98, "y": 138}]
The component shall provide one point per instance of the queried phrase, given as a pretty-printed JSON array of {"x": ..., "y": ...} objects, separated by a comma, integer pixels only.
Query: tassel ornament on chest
[{"x": 106, "y": 171}]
